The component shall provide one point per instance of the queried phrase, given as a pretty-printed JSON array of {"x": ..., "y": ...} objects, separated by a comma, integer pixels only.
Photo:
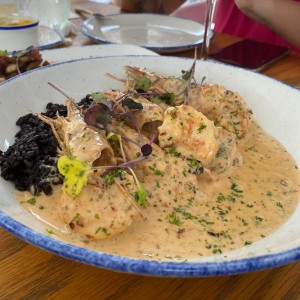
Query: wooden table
[{"x": 27, "y": 272}]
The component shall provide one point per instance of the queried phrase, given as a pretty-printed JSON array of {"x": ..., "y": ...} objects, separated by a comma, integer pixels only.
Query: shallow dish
[
  {"x": 48, "y": 38},
  {"x": 31, "y": 92},
  {"x": 159, "y": 33}
]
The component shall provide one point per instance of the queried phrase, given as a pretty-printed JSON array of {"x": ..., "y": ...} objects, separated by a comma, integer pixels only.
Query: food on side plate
[
  {"x": 165, "y": 169},
  {"x": 8, "y": 21},
  {"x": 20, "y": 62}
]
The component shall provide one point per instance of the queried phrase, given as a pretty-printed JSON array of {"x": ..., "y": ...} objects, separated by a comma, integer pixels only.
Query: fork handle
[{"x": 83, "y": 10}]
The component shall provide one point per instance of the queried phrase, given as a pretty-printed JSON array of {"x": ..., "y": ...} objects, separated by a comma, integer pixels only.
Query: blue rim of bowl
[
  {"x": 147, "y": 267},
  {"x": 163, "y": 49},
  {"x": 139, "y": 266}
]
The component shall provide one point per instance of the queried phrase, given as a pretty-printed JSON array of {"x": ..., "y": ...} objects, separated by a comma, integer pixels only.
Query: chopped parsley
[
  {"x": 32, "y": 201},
  {"x": 140, "y": 195},
  {"x": 174, "y": 219},
  {"x": 110, "y": 176},
  {"x": 156, "y": 171},
  {"x": 201, "y": 127},
  {"x": 103, "y": 230}
]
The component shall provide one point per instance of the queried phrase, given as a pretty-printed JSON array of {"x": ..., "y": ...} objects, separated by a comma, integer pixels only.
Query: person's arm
[{"x": 281, "y": 16}]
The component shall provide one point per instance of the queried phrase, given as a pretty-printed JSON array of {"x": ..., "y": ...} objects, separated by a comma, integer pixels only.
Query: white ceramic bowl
[
  {"x": 276, "y": 107},
  {"x": 18, "y": 32}
]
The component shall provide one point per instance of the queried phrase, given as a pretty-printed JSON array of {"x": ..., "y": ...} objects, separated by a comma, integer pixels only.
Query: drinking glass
[{"x": 51, "y": 13}]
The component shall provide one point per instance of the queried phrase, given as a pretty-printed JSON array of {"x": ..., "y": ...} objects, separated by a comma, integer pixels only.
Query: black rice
[{"x": 31, "y": 162}]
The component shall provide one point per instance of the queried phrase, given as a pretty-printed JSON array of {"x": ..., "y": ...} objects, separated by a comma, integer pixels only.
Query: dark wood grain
[{"x": 27, "y": 272}]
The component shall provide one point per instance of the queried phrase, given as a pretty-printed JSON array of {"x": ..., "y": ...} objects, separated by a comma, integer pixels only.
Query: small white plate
[
  {"x": 160, "y": 33},
  {"x": 81, "y": 52},
  {"x": 48, "y": 38}
]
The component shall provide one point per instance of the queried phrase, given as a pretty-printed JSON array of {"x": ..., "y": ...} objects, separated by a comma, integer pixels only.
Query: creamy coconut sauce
[{"x": 186, "y": 219}]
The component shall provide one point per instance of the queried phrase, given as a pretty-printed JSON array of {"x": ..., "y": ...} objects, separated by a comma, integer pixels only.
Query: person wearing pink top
[{"x": 273, "y": 21}]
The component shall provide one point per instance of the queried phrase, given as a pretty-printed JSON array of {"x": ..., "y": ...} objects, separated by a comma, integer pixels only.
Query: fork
[{"x": 98, "y": 16}]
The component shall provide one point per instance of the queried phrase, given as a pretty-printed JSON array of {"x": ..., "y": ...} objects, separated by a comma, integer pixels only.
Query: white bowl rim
[{"x": 148, "y": 267}]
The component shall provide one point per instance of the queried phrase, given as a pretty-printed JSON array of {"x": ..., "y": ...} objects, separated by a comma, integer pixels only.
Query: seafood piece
[
  {"x": 159, "y": 165},
  {"x": 228, "y": 155},
  {"x": 26, "y": 60},
  {"x": 77, "y": 139},
  {"x": 224, "y": 107},
  {"x": 189, "y": 132},
  {"x": 158, "y": 84},
  {"x": 132, "y": 150},
  {"x": 102, "y": 209},
  {"x": 148, "y": 118}
]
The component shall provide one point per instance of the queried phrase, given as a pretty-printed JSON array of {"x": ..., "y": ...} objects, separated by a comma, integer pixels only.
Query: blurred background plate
[
  {"x": 160, "y": 33},
  {"x": 48, "y": 38},
  {"x": 79, "y": 52}
]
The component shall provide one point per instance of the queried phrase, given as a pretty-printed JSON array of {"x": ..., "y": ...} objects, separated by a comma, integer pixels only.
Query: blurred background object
[
  {"x": 51, "y": 13},
  {"x": 150, "y": 6},
  {"x": 191, "y": 9}
]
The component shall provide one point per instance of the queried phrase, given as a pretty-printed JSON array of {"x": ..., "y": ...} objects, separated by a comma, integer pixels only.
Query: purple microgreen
[
  {"x": 128, "y": 164},
  {"x": 153, "y": 138},
  {"x": 108, "y": 130},
  {"x": 119, "y": 100},
  {"x": 149, "y": 94},
  {"x": 97, "y": 114},
  {"x": 129, "y": 140},
  {"x": 131, "y": 104},
  {"x": 133, "y": 120},
  {"x": 117, "y": 137},
  {"x": 60, "y": 90},
  {"x": 188, "y": 76},
  {"x": 146, "y": 149}
]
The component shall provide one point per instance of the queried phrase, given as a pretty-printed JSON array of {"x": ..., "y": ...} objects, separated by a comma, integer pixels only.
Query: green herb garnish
[
  {"x": 142, "y": 84},
  {"x": 141, "y": 195},
  {"x": 76, "y": 174}
]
